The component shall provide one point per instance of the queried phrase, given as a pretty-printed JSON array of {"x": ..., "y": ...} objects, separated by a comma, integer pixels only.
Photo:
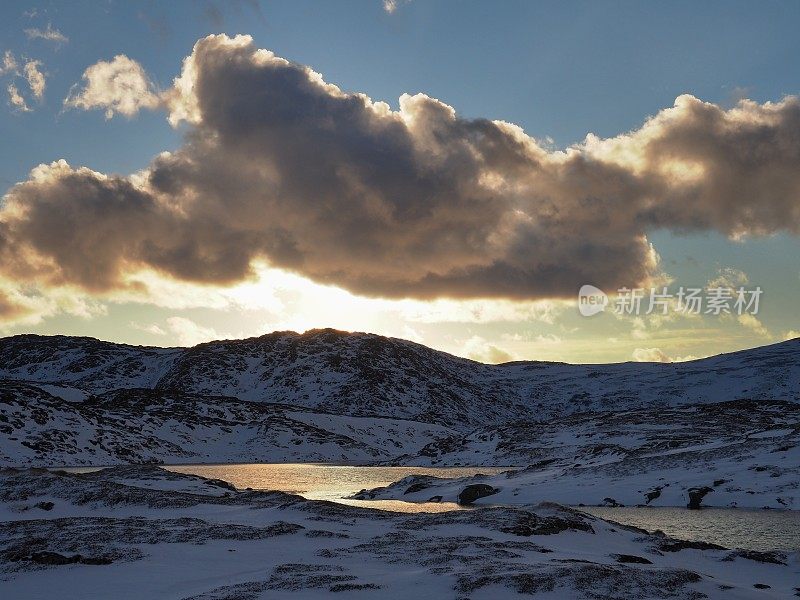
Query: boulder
[{"x": 477, "y": 490}]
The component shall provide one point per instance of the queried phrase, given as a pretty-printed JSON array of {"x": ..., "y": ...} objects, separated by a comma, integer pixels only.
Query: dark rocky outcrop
[
  {"x": 696, "y": 496},
  {"x": 671, "y": 545},
  {"x": 416, "y": 487},
  {"x": 652, "y": 495},
  {"x": 477, "y": 490},
  {"x": 631, "y": 559},
  {"x": 775, "y": 558}
]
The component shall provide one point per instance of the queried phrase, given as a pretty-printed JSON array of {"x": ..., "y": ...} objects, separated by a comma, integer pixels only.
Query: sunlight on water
[{"x": 332, "y": 482}]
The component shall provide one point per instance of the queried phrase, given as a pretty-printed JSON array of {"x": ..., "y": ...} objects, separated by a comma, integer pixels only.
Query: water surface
[
  {"x": 730, "y": 527},
  {"x": 333, "y": 482}
]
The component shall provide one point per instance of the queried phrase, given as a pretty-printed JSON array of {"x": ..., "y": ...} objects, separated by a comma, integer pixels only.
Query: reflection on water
[
  {"x": 732, "y": 528},
  {"x": 332, "y": 482}
]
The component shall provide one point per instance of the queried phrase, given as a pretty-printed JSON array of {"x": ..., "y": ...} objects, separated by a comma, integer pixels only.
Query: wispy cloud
[
  {"x": 152, "y": 328},
  {"x": 390, "y": 6},
  {"x": 48, "y": 34},
  {"x": 9, "y": 65},
  {"x": 15, "y": 99},
  {"x": 35, "y": 78},
  {"x": 753, "y": 324}
]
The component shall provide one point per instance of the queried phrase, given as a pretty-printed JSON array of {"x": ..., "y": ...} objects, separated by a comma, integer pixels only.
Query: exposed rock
[
  {"x": 671, "y": 545},
  {"x": 221, "y": 484},
  {"x": 54, "y": 558},
  {"x": 775, "y": 558},
  {"x": 632, "y": 559},
  {"x": 652, "y": 495},
  {"x": 696, "y": 496},
  {"x": 530, "y": 524},
  {"x": 417, "y": 487},
  {"x": 474, "y": 491},
  {"x": 348, "y": 587}
]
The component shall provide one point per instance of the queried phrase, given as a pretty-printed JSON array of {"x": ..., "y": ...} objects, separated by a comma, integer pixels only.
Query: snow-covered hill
[
  {"x": 353, "y": 374},
  {"x": 139, "y": 426},
  {"x": 365, "y": 374},
  {"x": 332, "y": 396}
]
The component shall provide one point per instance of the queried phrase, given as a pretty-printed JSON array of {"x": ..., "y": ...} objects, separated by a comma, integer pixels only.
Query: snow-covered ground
[
  {"x": 141, "y": 426},
  {"x": 747, "y": 453},
  {"x": 141, "y": 532}
]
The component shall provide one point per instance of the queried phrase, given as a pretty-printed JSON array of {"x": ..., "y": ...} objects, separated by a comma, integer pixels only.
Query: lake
[
  {"x": 333, "y": 482},
  {"x": 730, "y": 527},
  {"x": 733, "y": 528}
]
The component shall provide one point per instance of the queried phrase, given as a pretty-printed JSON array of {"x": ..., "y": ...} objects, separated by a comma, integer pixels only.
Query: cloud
[
  {"x": 390, "y": 6},
  {"x": 35, "y": 78},
  {"x": 9, "y": 64},
  {"x": 48, "y": 34},
  {"x": 152, "y": 328},
  {"x": 479, "y": 349},
  {"x": 728, "y": 277},
  {"x": 16, "y": 101},
  {"x": 657, "y": 355},
  {"x": 283, "y": 168},
  {"x": 190, "y": 333},
  {"x": 791, "y": 334},
  {"x": 549, "y": 339},
  {"x": 481, "y": 311},
  {"x": 24, "y": 305},
  {"x": 750, "y": 322},
  {"x": 117, "y": 86},
  {"x": 650, "y": 355}
]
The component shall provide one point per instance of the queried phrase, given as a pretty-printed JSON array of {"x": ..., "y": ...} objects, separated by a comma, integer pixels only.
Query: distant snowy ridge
[
  {"x": 363, "y": 374},
  {"x": 348, "y": 397}
]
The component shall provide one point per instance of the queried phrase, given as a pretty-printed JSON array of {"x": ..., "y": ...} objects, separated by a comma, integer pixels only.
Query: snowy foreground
[{"x": 142, "y": 532}]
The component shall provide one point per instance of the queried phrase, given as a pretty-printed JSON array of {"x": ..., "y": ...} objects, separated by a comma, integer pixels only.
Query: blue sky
[{"x": 559, "y": 70}]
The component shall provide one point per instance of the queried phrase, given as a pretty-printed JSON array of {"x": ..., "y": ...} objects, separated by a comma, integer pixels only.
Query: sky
[{"x": 446, "y": 172}]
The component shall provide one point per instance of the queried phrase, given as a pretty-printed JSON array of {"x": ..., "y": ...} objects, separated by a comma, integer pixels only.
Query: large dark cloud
[{"x": 282, "y": 167}]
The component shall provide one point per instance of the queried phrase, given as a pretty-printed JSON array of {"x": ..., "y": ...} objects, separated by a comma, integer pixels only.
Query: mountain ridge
[{"x": 325, "y": 395}]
